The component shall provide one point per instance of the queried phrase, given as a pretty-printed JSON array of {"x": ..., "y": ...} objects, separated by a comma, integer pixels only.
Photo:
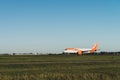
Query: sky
[{"x": 50, "y": 26}]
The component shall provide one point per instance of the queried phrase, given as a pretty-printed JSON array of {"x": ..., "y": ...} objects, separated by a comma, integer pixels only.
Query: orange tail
[{"x": 94, "y": 48}]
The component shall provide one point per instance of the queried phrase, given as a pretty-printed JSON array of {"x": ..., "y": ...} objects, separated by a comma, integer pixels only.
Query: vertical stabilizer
[{"x": 94, "y": 48}]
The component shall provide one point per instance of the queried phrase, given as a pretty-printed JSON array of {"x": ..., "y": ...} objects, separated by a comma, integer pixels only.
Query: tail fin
[{"x": 94, "y": 48}]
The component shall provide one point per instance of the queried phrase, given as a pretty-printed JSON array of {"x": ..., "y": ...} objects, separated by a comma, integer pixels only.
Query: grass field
[{"x": 60, "y": 67}]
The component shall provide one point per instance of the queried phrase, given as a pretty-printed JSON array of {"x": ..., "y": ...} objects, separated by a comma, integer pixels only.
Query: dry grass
[{"x": 59, "y": 67}]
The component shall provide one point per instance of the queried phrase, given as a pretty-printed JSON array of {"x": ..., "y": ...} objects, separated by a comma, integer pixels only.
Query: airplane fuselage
[{"x": 81, "y": 51}]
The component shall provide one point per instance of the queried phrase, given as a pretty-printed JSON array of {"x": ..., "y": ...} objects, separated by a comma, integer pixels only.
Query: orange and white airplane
[{"x": 81, "y": 51}]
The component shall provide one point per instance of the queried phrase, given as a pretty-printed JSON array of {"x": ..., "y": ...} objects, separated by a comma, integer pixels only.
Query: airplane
[{"x": 81, "y": 51}]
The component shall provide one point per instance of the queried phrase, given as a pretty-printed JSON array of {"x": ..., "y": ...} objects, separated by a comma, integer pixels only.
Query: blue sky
[{"x": 47, "y": 26}]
